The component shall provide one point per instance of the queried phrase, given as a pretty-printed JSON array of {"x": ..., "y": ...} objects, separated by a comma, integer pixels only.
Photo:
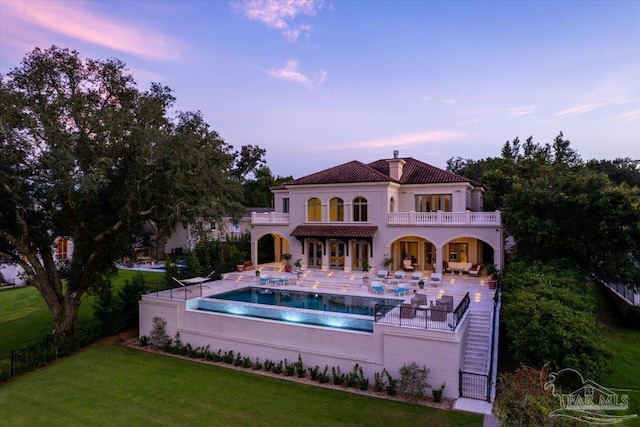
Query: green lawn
[
  {"x": 25, "y": 318},
  {"x": 108, "y": 384},
  {"x": 625, "y": 347}
]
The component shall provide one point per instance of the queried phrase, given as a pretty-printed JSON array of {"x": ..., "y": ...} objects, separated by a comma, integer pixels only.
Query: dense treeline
[{"x": 570, "y": 221}]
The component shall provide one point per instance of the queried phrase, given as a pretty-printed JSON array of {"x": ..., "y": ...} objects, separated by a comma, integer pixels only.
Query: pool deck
[{"x": 348, "y": 283}]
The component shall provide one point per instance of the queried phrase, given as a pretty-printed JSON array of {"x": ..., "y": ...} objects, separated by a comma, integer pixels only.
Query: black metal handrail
[{"x": 421, "y": 316}]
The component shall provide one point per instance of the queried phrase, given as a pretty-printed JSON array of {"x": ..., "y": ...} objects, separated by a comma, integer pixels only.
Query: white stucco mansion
[{"x": 358, "y": 214}]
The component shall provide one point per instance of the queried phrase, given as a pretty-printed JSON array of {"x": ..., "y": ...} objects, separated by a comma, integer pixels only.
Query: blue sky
[{"x": 319, "y": 83}]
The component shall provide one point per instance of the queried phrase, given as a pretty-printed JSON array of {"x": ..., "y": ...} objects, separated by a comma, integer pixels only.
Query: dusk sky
[{"x": 320, "y": 83}]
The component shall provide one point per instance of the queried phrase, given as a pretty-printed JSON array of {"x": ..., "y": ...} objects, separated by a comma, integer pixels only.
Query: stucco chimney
[{"x": 395, "y": 166}]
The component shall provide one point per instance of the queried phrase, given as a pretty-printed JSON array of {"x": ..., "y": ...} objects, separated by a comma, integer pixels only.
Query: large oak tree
[{"x": 85, "y": 154}]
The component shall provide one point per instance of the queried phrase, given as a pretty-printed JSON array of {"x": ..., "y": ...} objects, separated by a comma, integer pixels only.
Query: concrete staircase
[{"x": 476, "y": 355}]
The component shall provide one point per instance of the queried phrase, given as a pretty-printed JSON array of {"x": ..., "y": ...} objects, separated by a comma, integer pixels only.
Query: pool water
[{"x": 294, "y": 306}]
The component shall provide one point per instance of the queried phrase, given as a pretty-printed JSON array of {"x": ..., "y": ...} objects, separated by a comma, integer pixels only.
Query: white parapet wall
[{"x": 387, "y": 346}]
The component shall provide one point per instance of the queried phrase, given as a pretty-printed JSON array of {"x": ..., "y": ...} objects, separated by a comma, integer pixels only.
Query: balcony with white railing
[
  {"x": 444, "y": 218},
  {"x": 402, "y": 218},
  {"x": 269, "y": 218}
]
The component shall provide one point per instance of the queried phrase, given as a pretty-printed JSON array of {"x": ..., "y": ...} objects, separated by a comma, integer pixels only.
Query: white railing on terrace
[
  {"x": 269, "y": 218},
  {"x": 405, "y": 218},
  {"x": 444, "y": 218}
]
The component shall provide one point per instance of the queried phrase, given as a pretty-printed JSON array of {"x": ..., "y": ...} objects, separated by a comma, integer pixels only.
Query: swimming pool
[{"x": 295, "y": 306}]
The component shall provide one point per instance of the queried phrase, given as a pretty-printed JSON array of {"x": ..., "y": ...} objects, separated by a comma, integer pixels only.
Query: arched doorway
[{"x": 266, "y": 249}]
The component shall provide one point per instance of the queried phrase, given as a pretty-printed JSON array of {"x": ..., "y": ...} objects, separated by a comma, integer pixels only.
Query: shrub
[
  {"x": 324, "y": 376},
  {"x": 437, "y": 393},
  {"x": 313, "y": 372},
  {"x": 338, "y": 377},
  {"x": 632, "y": 320},
  {"x": 300, "y": 369},
  {"x": 158, "y": 337},
  {"x": 552, "y": 326},
  {"x": 522, "y": 400},
  {"x": 257, "y": 365},
  {"x": 413, "y": 380},
  {"x": 392, "y": 384},
  {"x": 378, "y": 381}
]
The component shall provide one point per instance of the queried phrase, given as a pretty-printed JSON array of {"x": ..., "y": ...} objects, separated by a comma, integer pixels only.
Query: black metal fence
[
  {"x": 475, "y": 386},
  {"x": 51, "y": 347},
  {"x": 422, "y": 316}
]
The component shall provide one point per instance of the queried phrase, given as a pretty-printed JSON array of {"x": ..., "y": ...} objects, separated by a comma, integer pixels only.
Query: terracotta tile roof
[
  {"x": 413, "y": 172},
  {"x": 417, "y": 172},
  {"x": 350, "y": 231},
  {"x": 353, "y": 171}
]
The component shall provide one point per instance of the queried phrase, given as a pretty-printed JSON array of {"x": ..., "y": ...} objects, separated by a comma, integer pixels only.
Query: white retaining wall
[{"x": 387, "y": 347}]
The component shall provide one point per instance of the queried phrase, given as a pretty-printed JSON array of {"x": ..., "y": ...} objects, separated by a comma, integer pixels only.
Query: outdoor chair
[
  {"x": 382, "y": 274},
  {"x": 398, "y": 276},
  {"x": 377, "y": 288},
  {"x": 400, "y": 290},
  {"x": 436, "y": 279},
  {"x": 438, "y": 313},
  {"x": 264, "y": 279},
  {"x": 416, "y": 276},
  {"x": 419, "y": 299},
  {"x": 407, "y": 265},
  {"x": 282, "y": 280},
  {"x": 475, "y": 270},
  {"x": 448, "y": 300},
  {"x": 407, "y": 311}
]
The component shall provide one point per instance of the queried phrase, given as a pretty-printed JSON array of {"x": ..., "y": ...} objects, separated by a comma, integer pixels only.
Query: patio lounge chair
[
  {"x": 265, "y": 279},
  {"x": 436, "y": 279},
  {"x": 475, "y": 270},
  {"x": 282, "y": 280},
  {"x": 416, "y": 276},
  {"x": 382, "y": 274},
  {"x": 377, "y": 288},
  {"x": 400, "y": 290},
  {"x": 407, "y": 265},
  {"x": 398, "y": 276}
]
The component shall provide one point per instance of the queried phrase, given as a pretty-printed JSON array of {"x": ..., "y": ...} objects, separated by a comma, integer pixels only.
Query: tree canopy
[
  {"x": 557, "y": 207},
  {"x": 87, "y": 155}
]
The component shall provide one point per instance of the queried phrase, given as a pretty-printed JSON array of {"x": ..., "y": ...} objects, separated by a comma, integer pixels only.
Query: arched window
[
  {"x": 336, "y": 209},
  {"x": 314, "y": 210},
  {"x": 360, "y": 209},
  {"x": 392, "y": 205}
]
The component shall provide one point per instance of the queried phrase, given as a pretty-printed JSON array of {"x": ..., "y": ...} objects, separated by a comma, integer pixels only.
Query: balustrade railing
[{"x": 404, "y": 218}]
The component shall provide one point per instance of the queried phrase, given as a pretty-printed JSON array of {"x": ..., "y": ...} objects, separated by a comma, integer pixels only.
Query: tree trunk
[{"x": 65, "y": 317}]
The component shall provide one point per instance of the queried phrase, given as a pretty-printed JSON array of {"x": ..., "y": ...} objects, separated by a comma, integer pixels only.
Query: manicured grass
[
  {"x": 25, "y": 318},
  {"x": 624, "y": 344},
  {"x": 110, "y": 385}
]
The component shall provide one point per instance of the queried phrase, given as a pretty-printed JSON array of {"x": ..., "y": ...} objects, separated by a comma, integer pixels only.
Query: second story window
[
  {"x": 360, "y": 209},
  {"x": 336, "y": 209},
  {"x": 285, "y": 205},
  {"x": 433, "y": 203},
  {"x": 314, "y": 210}
]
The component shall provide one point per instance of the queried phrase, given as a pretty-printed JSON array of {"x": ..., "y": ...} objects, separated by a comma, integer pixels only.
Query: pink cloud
[
  {"x": 75, "y": 20},
  {"x": 290, "y": 73},
  {"x": 280, "y": 14}
]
